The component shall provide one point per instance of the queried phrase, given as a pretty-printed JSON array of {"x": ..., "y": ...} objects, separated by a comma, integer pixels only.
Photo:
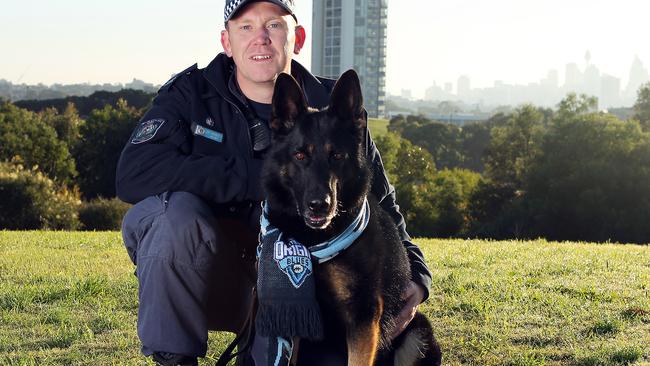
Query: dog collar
[{"x": 331, "y": 248}]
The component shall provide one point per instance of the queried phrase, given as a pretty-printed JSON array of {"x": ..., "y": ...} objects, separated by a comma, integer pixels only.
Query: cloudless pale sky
[{"x": 515, "y": 41}]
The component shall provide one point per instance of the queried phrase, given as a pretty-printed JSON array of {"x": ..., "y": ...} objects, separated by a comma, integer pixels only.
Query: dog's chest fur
[{"x": 375, "y": 263}]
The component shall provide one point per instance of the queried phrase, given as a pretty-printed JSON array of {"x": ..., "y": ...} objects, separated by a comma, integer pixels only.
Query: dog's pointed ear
[
  {"x": 288, "y": 104},
  {"x": 346, "y": 101}
]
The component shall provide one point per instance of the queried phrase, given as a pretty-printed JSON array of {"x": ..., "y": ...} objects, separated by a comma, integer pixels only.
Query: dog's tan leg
[
  {"x": 294, "y": 353},
  {"x": 363, "y": 340}
]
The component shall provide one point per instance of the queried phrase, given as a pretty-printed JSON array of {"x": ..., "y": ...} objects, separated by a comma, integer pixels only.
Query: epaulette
[{"x": 171, "y": 81}]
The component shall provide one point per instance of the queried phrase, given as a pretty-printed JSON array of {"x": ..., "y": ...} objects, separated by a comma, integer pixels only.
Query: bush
[
  {"x": 103, "y": 136},
  {"x": 452, "y": 189},
  {"x": 439, "y": 206},
  {"x": 102, "y": 214},
  {"x": 30, "y": 200},
  {"x": 25, "y": 135}
]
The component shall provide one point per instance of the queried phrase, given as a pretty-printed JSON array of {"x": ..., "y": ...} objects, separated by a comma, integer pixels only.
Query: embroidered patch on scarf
[
  {"x": 294, "y": 260},
  {"x": 147, "y": 130}
]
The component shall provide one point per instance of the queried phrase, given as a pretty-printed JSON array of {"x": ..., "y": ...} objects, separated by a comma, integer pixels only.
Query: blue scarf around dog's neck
[
  {"x": 285, "y": 287},
  {"x": 330, "y": 248}
]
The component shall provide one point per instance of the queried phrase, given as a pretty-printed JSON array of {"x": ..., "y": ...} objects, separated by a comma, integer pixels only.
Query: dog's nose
[{"x": 319, "y": 205}]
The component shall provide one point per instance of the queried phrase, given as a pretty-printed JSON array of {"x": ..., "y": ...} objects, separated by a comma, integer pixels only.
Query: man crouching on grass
[{"x": 192, "y": 169}]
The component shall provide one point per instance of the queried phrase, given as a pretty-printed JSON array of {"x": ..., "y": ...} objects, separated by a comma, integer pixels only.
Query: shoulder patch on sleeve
[
  {"x": 171, "y": 81},
  {"x": 147, "y": 130}
]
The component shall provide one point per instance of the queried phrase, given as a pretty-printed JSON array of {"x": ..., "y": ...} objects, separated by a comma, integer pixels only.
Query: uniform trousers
[{"x": 196, "y": 271}]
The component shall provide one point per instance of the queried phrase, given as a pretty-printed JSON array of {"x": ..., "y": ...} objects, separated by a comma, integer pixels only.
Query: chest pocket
[{"x": 209, "y": 136}]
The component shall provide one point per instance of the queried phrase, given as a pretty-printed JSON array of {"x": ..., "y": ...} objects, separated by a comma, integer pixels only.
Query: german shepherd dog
[{"x": 316, "y": 178}]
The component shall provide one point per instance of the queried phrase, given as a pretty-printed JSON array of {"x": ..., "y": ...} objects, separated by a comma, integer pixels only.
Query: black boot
[{"x": 172, "y": 359}]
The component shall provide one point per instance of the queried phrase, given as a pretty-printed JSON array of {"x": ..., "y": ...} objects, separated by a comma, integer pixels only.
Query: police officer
[{"x": 192, "y": 169}]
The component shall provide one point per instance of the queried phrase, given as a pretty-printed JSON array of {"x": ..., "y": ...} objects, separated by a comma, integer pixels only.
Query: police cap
[{"x": 232, "y": 6}]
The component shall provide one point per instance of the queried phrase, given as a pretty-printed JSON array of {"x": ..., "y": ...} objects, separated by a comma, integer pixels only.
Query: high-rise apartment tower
[{"x": 352, "y": 34}]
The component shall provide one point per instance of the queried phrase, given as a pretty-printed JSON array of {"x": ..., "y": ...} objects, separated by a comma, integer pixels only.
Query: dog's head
[{"x": 317, "y": 167}]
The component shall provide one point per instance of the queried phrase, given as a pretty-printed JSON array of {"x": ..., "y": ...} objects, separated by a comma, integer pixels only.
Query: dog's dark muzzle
[
  {"x": 320, "y": 206},
  {"x": 319, "y": 212}
]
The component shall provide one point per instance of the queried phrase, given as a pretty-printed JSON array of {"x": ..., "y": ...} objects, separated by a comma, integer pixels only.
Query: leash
[{"x": 246, "y": 334}]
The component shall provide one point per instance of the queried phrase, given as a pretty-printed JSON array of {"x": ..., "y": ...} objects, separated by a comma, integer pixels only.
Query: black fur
[{"x": 316, "y": 178}]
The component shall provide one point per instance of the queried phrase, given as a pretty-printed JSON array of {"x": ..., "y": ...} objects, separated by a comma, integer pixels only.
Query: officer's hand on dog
[{"x": 412, "y": 296}]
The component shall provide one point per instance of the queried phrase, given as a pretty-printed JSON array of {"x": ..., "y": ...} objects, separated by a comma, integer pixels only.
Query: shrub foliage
[
  {"x": 31, "y": 200},
  {"x": 102, "y": 214}
]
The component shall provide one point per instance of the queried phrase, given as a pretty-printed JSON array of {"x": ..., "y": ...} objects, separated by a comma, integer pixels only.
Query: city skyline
[
  {"x": 513, "y": 41},
  {"x": 549, "y": 90}
]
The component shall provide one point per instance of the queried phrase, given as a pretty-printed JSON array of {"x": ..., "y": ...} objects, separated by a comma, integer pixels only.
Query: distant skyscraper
[
  {"x": 463, "y": 87},
  {"x": 638, "y": 76},
  {"x": 573, "y": 78},
  {"x": 591, "y": 80},
  {"x": 352, "y": 34},
  {"x": 436, "y": 93},
  {"x": 551, "y": 79},
  {"x": 610, "y": 91}
]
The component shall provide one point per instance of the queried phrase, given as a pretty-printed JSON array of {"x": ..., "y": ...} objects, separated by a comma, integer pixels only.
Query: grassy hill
[
  {"x": 377, "y": 126},
  {"x": 71, "y": 298}
]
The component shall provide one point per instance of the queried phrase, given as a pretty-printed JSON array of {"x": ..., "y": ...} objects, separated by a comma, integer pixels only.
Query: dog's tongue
[{"x": 316, "y": 220}]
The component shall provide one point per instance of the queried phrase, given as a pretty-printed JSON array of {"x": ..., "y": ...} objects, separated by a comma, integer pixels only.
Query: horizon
[{"x": 500, "y": 41}]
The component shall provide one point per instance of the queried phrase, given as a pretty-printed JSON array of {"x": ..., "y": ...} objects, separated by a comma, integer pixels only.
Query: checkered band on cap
[{"x": 233, "y": 5}]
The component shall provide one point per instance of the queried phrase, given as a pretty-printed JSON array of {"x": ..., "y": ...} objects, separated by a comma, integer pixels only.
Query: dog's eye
[
  {"x": 299, "y": 155},
  {"x": 338, "y": 156}
]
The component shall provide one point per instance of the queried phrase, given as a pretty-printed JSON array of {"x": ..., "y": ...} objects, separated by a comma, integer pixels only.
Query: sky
[{"x": 514, "y": 41}]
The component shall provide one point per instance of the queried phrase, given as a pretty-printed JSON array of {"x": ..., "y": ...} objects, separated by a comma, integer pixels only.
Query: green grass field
[
  {"x": 377, "y": 127},
  {"x": 71, "y": 299}
]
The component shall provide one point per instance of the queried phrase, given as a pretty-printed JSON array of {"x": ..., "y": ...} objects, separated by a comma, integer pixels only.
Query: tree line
[
  {"x": 564, "y": 173},
  {"x": 57, "y": 169},
  {"x": 569, "y": 173}
]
